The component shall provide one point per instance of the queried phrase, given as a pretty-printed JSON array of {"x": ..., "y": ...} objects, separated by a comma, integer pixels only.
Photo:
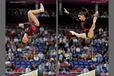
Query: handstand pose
[
  {"x": 86, "y": 24},
  {"x": 31, "y": 29}
]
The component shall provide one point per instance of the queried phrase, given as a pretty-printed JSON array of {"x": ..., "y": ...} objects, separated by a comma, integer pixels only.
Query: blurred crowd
[
  {"x": 85, "y": 54},
  {"x": 75, "y": 55}
]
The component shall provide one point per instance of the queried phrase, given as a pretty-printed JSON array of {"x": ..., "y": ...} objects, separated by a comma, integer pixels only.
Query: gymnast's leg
[
  {"x": 81, "y": 35},
  {"x": 91, "y": 31},
  {"x": 32, "y": 18},
  {"x": 32, "y": 13}
]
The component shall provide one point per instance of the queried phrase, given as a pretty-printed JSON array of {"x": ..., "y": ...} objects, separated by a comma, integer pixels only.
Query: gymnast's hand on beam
[{"x": 66, "y": 11}]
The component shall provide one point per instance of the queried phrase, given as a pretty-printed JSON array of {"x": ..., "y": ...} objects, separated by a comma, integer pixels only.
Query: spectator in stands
[
  {"x": 99, "y": 67},
  {"x": 100, "y": 58},
  {"x": 80, "y": 57},
  {"x": 73, "y": 48},
  {"x": 51, "y": 72},
  {"x": 36, "y": 57},
  {"x": 10, "y": 55},
  {"x": 44, "y": 72},
  {"x": 74, "y": 69},
  {"x": 19, "y": 49},
  {"x": 27, "y": 70},
  {"x": 16, "y": 69},
  {"x": 77, "y": 48},
  {"x": 106, "y": 65},
  {"x": 86, "y": 69},
  {"x": 79, "y": 69},
  {"x": 40, "y": 55},
  {"x": 16, "y": 56},
  {"x": 67, "y": 55},
  {"x": 84, "y": 54},
  {"x": 33, "y": 67},
  {"x": 74, "y": 55},
  {"x": 94, "y": 67},
  {"x": 21, "y": 69},
  {"x": 26, "y": 56},
  {"x": 11, "y": 70},
  {"x": 41, "y": 40},
  {"x": 94, "y": 58},
  {"x": 71, "y": 66},
  {"x": 53, "y": 52},
  {"x": 41, "y": 66},
  {"x": 107, "y": 73},
  {"x": 52, "y": 66},
  {"x": 100, "y": 30},
  {"x": 86, "y": 47},
  {"x": 61, "y": 56},
  {"x": 7, "y": 63},
  {"x": 51, "y": 58},
  {"x": 41, "y": 30},
  {"x": 13, "y": 66},
  {"x": 91, "y": 68},
  {"x": 75, "y": 40},
  {"x": 48, "y": 64},
  {"x": 89, "y": 57},
  {"x": 59, "y": 65},
  {"x": 100, "y": 41},
  {"x": 103, "y": 73},
  {"x": 31, "y": 57}
]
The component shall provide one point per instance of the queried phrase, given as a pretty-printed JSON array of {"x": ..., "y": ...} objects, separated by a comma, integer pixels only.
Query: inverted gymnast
[
  {"x": 33, "y": 23},
  {"x": 87, "y": 24}
]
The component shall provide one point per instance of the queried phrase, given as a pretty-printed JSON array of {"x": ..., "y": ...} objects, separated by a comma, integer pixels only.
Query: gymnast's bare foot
[
  {"x": 41, "y": 7},
  {"x": 72, "y": 32},
  {"x": 95, "y": 17}
]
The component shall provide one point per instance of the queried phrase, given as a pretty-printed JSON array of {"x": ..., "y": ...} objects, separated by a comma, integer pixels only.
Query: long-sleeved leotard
[
  {"x": 30, "y": 29},
  {"x": 86, "y": 25}
]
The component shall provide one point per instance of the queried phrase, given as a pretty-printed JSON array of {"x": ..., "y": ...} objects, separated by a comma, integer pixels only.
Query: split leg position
[
  {"x": 91, "y": 30},
  {"x": 32, "y": 19}
]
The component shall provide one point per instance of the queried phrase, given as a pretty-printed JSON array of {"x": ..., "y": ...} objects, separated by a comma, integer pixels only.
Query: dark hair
[{"x": 84, "y": 12}]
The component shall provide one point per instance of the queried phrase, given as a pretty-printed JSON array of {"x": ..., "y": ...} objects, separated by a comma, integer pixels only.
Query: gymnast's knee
[
  {"x": 29, "y": 12},
  {"x": 90, "y": 36},
  {"x": 93, "y": 26},
  {"x": 79, "y": 36}
]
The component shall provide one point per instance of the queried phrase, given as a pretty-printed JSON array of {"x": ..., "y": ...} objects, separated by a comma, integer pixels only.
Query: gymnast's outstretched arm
[{"x": 70, "y": 15}]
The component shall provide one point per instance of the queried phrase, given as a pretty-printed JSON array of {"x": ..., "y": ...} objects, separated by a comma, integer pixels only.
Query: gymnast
[
  {"x": 87, "y": 23},
  {"x": 33, "y": 24}
]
